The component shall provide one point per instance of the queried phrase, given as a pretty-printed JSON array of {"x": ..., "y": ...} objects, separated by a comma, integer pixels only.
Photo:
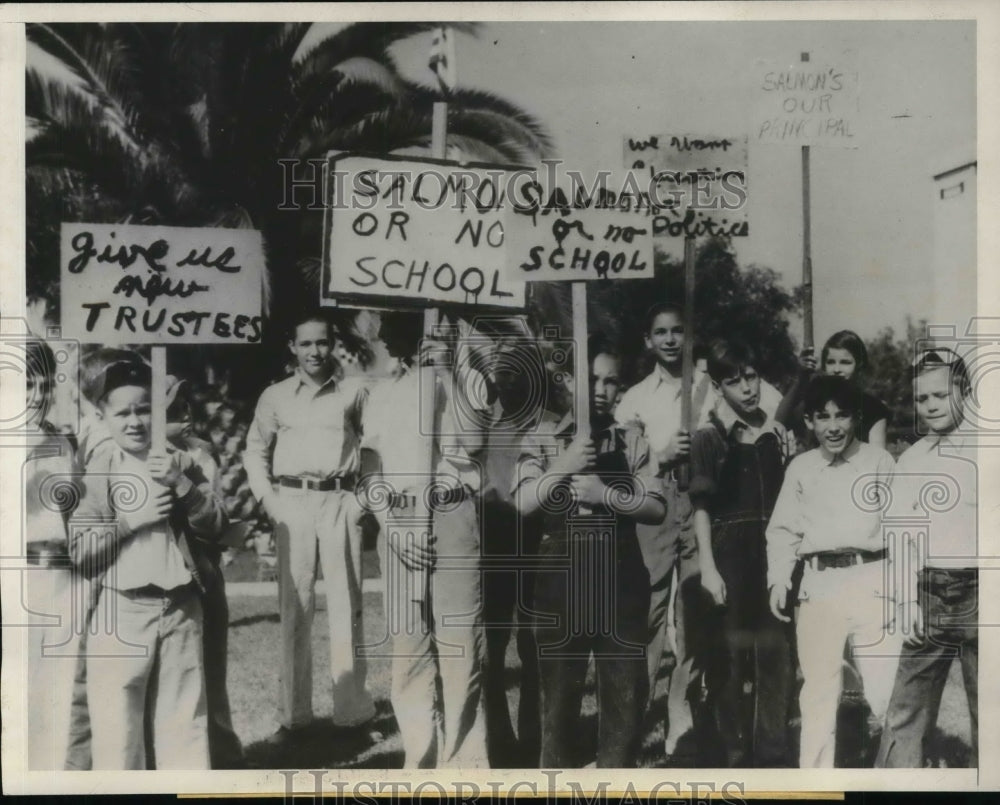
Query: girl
[{"x": 844, "y": 355}]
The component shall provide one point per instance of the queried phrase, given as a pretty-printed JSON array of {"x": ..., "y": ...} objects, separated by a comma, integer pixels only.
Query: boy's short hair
[
  {"x": 94, "y": 364},
  {"x": 658, "y": 309},
  {"x": 850, "y": 341},
  {"x": 121, "y": 373},
  {"x": 600, "y": 344},
  {"x": 823, "y": 389},
  {"x": 936, "y": 358},
  {"x": 728, "y": 359},
  {"x": 309, "y": 315}
]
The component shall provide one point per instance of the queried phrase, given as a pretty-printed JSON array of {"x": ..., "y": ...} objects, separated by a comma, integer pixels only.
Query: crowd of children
[{"x": 577, "y": 534}]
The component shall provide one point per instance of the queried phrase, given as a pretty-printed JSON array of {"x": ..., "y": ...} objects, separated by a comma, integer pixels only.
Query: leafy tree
[
  {"x": 746, "y": 304},
  {"x": 888, "y": 378},
  {"x": 184, "y": 124}
]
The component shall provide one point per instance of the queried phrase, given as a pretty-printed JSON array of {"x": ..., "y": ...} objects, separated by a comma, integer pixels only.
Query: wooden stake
[
  {"x": 158, "y": 392},
  {"x": 420, "y": 590},
  {"x": 807, "y": 281},
  {"x": 687, "y": 355},
  {"x": 581, "y": 368},
  {"x": 581, "y": 365}
]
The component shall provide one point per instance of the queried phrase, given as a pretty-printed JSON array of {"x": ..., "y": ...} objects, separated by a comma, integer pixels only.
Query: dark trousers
[
  {"x": 507, "y": 603},
  {"x": 949, "y": 600},
  {"x": 224, "y": 747},
  {"x": 592, "y": 598},
  {"x": 749, "y": 671}
]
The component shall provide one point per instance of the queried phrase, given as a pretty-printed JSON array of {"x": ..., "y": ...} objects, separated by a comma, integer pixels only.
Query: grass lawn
[{"x": 253, "y": 685}]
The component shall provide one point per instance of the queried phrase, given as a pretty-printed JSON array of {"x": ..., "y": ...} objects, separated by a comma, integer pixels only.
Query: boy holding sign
[
  {"x": 438, "y": 642},
  {"x": 150, "y": 577},
  {"x": 607, "y": 468}
]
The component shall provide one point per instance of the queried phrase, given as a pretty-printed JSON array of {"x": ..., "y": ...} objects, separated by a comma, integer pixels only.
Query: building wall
[{"x": 955, "y": 263}]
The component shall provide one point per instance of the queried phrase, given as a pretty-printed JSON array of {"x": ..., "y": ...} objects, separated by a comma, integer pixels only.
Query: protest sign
[
  {"x": 135, "y": 284},
  {"x": 812, "y": 102},
  {"x": 698, "y": 182},
  {"x": 408, "y": 232},
  {"x": 554, "y": 242}
]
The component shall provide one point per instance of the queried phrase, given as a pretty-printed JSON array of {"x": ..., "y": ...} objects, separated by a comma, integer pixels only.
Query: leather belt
[
  {"x": 439, "y": 498},
  {"x": 826, "y": 560},
  {"x": 155, "y": 591},
  {"x": 336, "y": 483}
]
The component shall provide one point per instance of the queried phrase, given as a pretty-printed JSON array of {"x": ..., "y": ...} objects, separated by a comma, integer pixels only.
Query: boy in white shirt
[
  {"x": 829, "y": 514},
  {"x": 941, "y": 612},
  {"x": 148, "y": 670}
]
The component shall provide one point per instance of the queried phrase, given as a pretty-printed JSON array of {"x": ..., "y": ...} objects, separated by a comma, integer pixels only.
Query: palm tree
[{"x": 184, "y": 124}]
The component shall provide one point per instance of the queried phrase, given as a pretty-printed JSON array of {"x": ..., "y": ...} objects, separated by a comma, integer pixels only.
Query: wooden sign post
[
  {"x": 807, "y": 103},
  {"x": 402, "y": 233},
  {"x": 579, "y": 245},
  {"x": 705, "y": 179}
]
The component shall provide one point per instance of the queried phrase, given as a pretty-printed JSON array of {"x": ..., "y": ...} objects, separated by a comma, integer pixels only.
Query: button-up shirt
[
  {"x": 151, "y": 555},
  {"x": 828, "y": 504},
  {"x": 654, "y": 404},
  {"x": 936, "y": 479},
  {"x": 391, "y": 425},
  {"x": 540, "y": 447},
  {"x": 304, "y": 429}
]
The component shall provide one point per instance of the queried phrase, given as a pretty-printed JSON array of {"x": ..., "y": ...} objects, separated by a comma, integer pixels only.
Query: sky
[{"x": 594, "y": 83}]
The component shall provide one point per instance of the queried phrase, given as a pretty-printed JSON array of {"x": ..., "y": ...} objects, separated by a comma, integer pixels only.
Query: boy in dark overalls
[
  {"x": 738, "y": 464},
  {"x": 600, "y": 605}
]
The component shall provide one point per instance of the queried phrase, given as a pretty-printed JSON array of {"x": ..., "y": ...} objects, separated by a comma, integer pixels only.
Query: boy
[
  {"x": 945, "y": 613},
  {"x": 302, "y": 462},
  {"x": 654, "y": 407},
  {"x": 50, "y": 587},
  {"x": 737, "y": 463},
  {"x": 825, "y": 516},
  {"x": 601, "y": 605},
  {"x": 224, "y": 746},
  {"x": 149, "y": 670},
  {"x": 437, "y": 635}
]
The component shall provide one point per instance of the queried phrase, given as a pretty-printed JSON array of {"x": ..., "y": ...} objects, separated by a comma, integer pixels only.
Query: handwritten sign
[
  {"x": 698, "y": 182},
  {"x": 133, "y": 284},
  {"x": 807, "y": 103},
  {"x": 560, "y": 236},
  {"x": 412, "y": 232}
]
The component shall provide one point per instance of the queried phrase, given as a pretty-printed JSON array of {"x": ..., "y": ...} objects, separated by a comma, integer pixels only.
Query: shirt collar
[
  {"x": 661, "y": 376},
  {"x": 730, "y": 420},
  {"x": 845, "y": 457},
  {"x": 303, "y": 380},
  {"x": 955, "y": 439}
]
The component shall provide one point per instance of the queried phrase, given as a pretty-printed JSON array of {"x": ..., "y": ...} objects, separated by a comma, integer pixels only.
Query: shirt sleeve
[
  {"x": 532, "y": 463},
  {"x": 260, "y": 445},
  {"x": 641, "y": 465},
  {"x": 201, "y": 505},
  {"x": 96, "y": 532},
  {"x": 784, "y": 530},
  {"x": 707, "y": 453},
  {"x": 627, "y": 411}
]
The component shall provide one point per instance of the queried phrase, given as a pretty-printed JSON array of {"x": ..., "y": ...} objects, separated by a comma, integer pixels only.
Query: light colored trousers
[
  {"x": 838, "y": 605},
  {"x": 320, "y": 529},
  {"x": 149, "y": 667},
  {"x": 56, "y": 600},
  {"x": 438, "y": 647},
  {"x": 667, "y": 547}
]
